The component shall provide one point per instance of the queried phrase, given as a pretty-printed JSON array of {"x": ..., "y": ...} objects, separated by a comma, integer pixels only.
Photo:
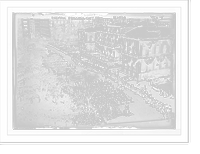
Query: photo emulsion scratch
[{"x": 94, "y": 70}]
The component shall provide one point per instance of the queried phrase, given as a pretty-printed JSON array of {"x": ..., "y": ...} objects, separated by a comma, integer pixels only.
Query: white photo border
[{"x": 179, "y": 135}]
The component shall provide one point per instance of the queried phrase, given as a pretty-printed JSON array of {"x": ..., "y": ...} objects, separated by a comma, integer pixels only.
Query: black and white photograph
[{"x": 94, "y": 70}]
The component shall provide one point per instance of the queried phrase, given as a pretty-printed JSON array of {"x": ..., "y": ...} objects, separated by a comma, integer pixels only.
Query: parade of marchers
[{"x": 108, "y": 99}]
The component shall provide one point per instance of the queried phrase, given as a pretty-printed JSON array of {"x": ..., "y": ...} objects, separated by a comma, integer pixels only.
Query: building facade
[
  {"x": 32, "y": 27},
  {"x": 45, "y": 30},
  {"x": 146, "y": 51},
  {"x": 26, "y": 28},
  {"x": 87, "y": 39},
  {"x": 146, "y": 59},
  {"x": 99, "y": 21},
  {"x": 108, "y": 41},
  {"x": 67, "y": 29},
  {"x": 103, "y": 40},
  {"x": 37, "y": 27}
]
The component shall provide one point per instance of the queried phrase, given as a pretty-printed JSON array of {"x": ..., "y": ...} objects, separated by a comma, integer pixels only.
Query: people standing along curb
[{"x": 142, "y": 92}]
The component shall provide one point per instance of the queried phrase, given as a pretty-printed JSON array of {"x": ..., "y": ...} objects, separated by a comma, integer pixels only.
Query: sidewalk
[
  {"x": 155, "y": 94},
  {"x": 141, "y": 110}
]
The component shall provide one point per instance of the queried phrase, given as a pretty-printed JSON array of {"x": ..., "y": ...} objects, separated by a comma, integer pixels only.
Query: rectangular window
[
  {"x": 157, "y": 49},
  {"x": 169, "y": 63},
  {"x": 143, "y": 67},
  {"x": 150, "y": 51},
  {"x": 150, "y": 67},
  {"x": 170, "y": 50},
  {"x": 144, "y": 52},
  {"x": 129, "y": 50},
  {"x": 164, "y": 49},
  {"x": 163, "y": 64},
  {"x": 156, "y": 65}
]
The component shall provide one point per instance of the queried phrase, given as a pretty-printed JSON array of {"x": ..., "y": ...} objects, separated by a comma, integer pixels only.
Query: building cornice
[
  {"x": 81, "y": 30},
  {"x": 110, "y": 33},
  {"x": 104, "y": 45},
  {"x": 129, "y": 55},
  {"x": 157, "y": 38},
  {"x": 132, "y": 38},
  {"x": 146, "y": 57}
]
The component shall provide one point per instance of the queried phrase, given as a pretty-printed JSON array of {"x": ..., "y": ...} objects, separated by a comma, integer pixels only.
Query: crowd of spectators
[
  {"x": 116, "y": 97},
  {"x": 161, "y": 107}
]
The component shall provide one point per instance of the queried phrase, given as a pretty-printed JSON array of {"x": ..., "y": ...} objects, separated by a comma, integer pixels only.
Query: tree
[
  {"x": 56, "y": 63},
  {"x": 31, "y": 73}
]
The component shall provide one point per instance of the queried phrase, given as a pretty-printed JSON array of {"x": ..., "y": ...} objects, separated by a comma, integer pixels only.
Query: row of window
[
  {"x": 130, "y": 50},
  {"x": 150, "y": 67},
  {"x": 129, "y": 72},
  {"x": 157, "y": 49},
  {"x": 129, "y": 64},
  {"x": 155, "y": 66},
  {"x": 45, "y": 32}
]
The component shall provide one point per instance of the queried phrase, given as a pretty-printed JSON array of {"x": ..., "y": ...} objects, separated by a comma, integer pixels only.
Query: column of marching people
[
  {"x": 108, "y": 99},
  {"x": 105, "y": 102}
]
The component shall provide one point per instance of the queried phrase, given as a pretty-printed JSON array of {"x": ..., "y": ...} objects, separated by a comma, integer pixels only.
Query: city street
[{"x": 141, "y": 110}]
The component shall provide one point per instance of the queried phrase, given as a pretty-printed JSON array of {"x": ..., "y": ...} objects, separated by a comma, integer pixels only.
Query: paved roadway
[
  {"x": 156, "y": 95},
  {"x": 144, "y": 115}
]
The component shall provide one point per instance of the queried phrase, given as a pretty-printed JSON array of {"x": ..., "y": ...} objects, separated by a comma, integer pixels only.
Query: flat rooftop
[
  {"x": 93, "y": 29},
  {"x": 151, "y": 32},
  {"x": 141, "y": 30}
]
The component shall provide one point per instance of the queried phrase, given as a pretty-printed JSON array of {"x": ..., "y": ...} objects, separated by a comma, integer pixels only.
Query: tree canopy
[{"x": 42, "y": 84}]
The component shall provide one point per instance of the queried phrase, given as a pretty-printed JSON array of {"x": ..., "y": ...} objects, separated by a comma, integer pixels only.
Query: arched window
[
  {"x": 145, "y": 52},
  {"x": 143, "y": 66},
  {"x": 169, "y": 63},
  {"x": 163, "y": 64},
  {"x": 150, "y": 67},
  {"x": 164, "y": 49},
  {"x": 151, "y": 50},
  {"x": 170, "y": 49},
  {"x": 156, "y": 65},
  {"x": 157, "y": 49}
]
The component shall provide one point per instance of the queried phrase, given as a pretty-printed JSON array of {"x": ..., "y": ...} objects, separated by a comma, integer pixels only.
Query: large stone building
[
  {"x": 43, "y": 27},
  {"x": 68, "y": 28},
  {"x": 100, "y": 21},
  {"x": 148, "y": 52},
  {"x": 145, "y": 50},
  {"x": 32, "y": 27},
  {"x": 37, "y": 27},
  {"x": 25, "y": 27},
  {"x": 105, "y": 41},
  {"x": 45, "y": 30},
  {"x": 87, "y": 39}
]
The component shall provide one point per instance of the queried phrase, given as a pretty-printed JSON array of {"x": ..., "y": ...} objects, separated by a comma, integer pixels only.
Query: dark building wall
[
  {"x": 89, "y": 36},
  {"x": 157, "y": 60}
]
